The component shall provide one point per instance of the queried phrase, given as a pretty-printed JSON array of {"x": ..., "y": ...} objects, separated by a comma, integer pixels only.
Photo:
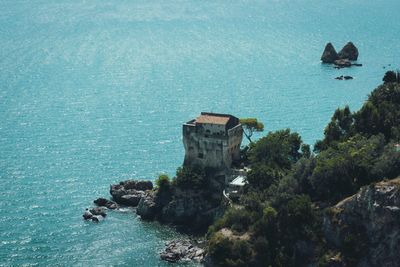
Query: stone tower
[{"x": 212, "y": 140}]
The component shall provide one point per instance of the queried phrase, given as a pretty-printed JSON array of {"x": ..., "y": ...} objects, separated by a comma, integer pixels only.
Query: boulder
[
  {"x": 182, "y": 250},
  {"x": 339, "y": 77},
  {"x": 97, "y": 218},
  {"x": 102, "y": 202},
  {"x": 129, "y": 192},
  {"x": 329, "y": 55},
  {"x": 138, "y": 185},
  {"x": 342, "y": 63},
  {"x": 348, "y": 77},
  {"x": 144, "y": 185},
  {"x": 98, "y": 211},
  {"x": 366, "y": 226},
  {"x": 87, "y": 215},
  {"x": 132, "y": 199},
  {"x": 147, "y": 208},
  {"x": 349, "y": 51}
]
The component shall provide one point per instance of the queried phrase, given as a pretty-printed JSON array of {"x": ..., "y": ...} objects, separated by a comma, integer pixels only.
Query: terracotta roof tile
[{"x": 222, "y": 120}]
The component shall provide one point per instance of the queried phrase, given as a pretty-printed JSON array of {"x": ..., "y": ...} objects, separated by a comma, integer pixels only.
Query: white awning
[{"x": 239, "y": 181}]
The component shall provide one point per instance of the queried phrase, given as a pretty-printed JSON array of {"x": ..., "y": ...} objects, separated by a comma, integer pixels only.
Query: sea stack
[
  {"x": 349, "y": 51},
  {"x": 329, "y": 55}
]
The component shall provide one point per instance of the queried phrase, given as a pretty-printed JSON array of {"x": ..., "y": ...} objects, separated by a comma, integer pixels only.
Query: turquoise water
[{"x": 93, "y": 92}]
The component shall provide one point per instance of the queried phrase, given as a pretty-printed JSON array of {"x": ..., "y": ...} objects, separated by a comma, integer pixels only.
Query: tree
[
  {"x": 261, "y": 176},
  {"x": 190, "y": 178},
  {"x": 250, "y": 126},
  {"x": 339, "y": 129},
  {"x": 277, "y": 150},
  {"x": 390, "y": 77},
  {"x": 163, "y": 182}
]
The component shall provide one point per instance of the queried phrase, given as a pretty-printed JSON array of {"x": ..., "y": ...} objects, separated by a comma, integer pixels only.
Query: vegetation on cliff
[{"x": 278, "y": 221}]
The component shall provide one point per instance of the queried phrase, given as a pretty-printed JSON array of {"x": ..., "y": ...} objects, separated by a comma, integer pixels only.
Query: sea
[{"x": 93, "y": 92}]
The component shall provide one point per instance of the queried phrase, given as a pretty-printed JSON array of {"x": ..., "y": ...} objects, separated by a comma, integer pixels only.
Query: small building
[
  {"x": 235, "y": 188},
  {"x": 212, "y": 140}
]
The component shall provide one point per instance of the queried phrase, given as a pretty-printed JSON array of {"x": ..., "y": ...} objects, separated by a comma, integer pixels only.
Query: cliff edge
[{"x": 365, "y": 227}]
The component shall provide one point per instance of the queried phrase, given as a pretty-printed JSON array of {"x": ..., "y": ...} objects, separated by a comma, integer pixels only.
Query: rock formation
[
  {"x": 102, "y": 202},
  {"x": 329, "y": 55},
  {"x": 341, "y": 77},
  {"x": 342, "y": 63},
  {"x": 130, "y": 192},
  {"x": 365, "y": 227},
  {"x": 182, "y": 250},
  {"x": 188, "y": 208},
  {"x": 95, "y": 214},
  {"x": 342, "y": 59},
  {"x": 349, "y": 51},
  {"x": 147, "y": 208}
]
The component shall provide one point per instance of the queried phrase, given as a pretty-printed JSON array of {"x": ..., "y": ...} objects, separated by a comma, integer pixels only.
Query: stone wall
[{"x": 210, "y": 145}]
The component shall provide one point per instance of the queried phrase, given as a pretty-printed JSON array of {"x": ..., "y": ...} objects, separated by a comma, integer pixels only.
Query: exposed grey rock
[
  {"x": 147, "y": 208},
  {"x": 87, "y": 215},
  {"x": 97, "y": 218},
  {"x": 132, "y": 199},
  {"x": 98, "y": 211},
  {"x": 182, "y": 250},
  {"x": 102, "y": 202},
  {"x": 191, "y": 208},
  {"x": 329, "y": 55},
  {"x": 349, "y": 51},
  {"x": 129, "y": 192},
  {"x": 371, "y": 220},
  {"x": 144, "y": 185},
  {"x": 342, "y": 63}
]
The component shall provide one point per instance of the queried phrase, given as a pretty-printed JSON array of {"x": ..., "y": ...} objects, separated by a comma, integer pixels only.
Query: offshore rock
[
  {"x": 130, "y": 192},
  {"x": 147, "y": 208},
  {"x": 349, "y": 51},
  {"x": 329, "y": 55},
  {"x": 102, "y": 202},
  {"x": 95, "y": 214},
  {"x": 182, "y": 250},
  {"x": 87, "y": 215},
  {"x": 342, "y": 63},
  {"x": 98, "y": 211},
  {"x": 366, "y": 226}
]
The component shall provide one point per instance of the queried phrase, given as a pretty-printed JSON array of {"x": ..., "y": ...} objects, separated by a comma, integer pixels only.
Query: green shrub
[
  {"x": 163, "y": 182},
  {"x": 190, "y": 178}
]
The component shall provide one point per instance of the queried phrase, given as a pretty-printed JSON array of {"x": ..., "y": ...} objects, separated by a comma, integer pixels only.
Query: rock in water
[
  {"x": 98, "y": 211},
  {"x": 349, "y": 51},
  {"x": 329, "y": 55},
  {"x": 102, "y": 202},
  {"x": 367, "y": 225},
  {"x": 129, "y": 192},
  {"x": 342, "y": 63},
  {"x": 87, "y": 215}
]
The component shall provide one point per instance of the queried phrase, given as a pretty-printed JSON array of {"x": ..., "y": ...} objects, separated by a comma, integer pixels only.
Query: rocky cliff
[
  {"x": 365, "y": 228},
  {"x": 188, "y": 208}
]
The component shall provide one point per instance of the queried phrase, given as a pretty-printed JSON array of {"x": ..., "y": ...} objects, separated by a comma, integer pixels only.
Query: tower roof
[{"x": 213, "y": 119}]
